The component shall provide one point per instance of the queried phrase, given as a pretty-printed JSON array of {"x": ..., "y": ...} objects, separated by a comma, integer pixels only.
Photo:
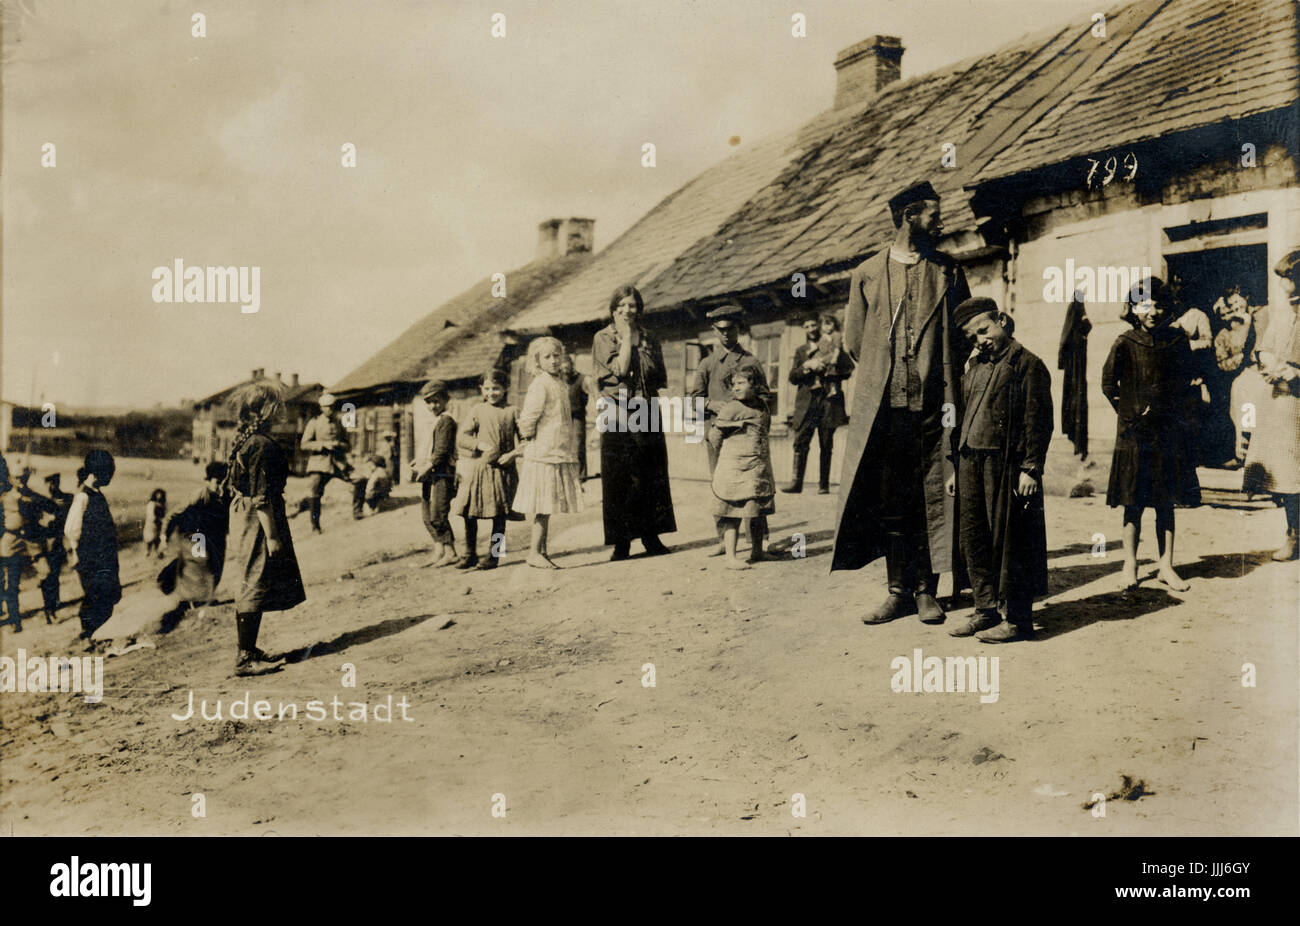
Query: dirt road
[{"x": 527, "y": 693}]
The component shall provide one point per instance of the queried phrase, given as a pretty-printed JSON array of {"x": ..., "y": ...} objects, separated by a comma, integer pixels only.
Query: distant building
[
  {"x": 456, "y": 342},
  {"x": 213, "y": 427}
]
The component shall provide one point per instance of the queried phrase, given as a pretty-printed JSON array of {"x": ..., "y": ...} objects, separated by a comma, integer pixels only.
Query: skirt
[
  {"x": 1273, "y": 455},
  {"x": 482, "y": 490},
  {"x": 744, "y": 508},
  {"x": 270, "y": 583},
  {"x": 1154, "y": 471},
  {"x": 636, "y": 497},
  {"x": 548, "y": 488}
]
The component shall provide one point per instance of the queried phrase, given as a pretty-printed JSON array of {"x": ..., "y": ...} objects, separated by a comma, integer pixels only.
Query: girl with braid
[{"x": 256, "y": 478}]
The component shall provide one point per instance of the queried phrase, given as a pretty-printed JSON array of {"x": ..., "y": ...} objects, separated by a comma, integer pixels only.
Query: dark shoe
[
  {"x": 1290, "y": 549},
  {"x": 490, "y": 562},
  {"x": 793, "y": 488},
  {"x": 621, "y": 551},
  {"x": 315, "y": 529},
  {"x": 928, "y": 609},
  {"x": 654, "y": 546},
  {"x": 254, "y": 662},
  {"x": 1005, "y": 632},
  {"x": 898, "y": 604},
  {"x": 468, "y": 562},
  {"x": 980, "y": 620},
  {"x": 823, "y": 490}
]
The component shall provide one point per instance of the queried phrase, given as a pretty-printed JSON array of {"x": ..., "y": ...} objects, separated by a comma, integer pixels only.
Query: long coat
[
  {"x": 1020, "y": 402},
  {"x": 859, "y": 537},
  {"x": 835, "y": 414}
]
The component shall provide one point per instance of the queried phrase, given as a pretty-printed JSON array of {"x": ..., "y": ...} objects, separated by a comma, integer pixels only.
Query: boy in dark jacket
[
  {"x": 999, "y": 449},
  {"x": 435, "y": 469}
]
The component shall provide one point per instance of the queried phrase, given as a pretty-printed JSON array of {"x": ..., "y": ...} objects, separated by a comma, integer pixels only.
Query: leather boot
[
  {"x": 315, "y": 515},
  {"x": 824, "y": 471},
  {"x": 901, "y": 601},
  {"x": 800, "y": 464},
  {"x": 251, "y": 660},
  {"x": 927, "y": 606}
]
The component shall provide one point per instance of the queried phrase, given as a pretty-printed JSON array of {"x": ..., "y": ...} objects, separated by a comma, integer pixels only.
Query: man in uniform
[
  {"x": 899, "y": 329},
  {"x": 326, "y": 440},
  {"x": 712, "y": 377}
]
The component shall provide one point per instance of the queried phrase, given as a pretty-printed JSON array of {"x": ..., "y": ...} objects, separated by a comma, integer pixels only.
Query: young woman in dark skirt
[
  {"x": 629, "y": 370},
  {"x": 1147, "y": 379},
  {"x": 258, "y": 471}
]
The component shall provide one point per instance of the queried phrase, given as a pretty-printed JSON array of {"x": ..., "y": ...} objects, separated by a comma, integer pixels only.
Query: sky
[{"x": 226, "y": 150}]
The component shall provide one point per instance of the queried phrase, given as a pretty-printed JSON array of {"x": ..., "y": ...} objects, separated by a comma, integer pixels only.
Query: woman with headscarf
[
  {"x": 629, "y": 367},
  {"x": 1273, "y": 458},
  {"x": 258, "y": 471}
]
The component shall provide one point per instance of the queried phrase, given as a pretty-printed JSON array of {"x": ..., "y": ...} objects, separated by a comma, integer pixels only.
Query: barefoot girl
[
  {"x": 548, "y": 482},
  {"x": 486, "y": 468},
  {"x": 1147, "y": 378},
  {"x": 743, "y": 484}
]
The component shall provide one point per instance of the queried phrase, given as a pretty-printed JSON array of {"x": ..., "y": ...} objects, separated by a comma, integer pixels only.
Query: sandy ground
[{"x": 525, "y": 689}]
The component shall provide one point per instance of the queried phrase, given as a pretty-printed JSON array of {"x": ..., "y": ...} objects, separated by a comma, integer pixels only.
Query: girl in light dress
[
  {"x": 155, "y": 512},
  {"x": 548, "y": 480}
]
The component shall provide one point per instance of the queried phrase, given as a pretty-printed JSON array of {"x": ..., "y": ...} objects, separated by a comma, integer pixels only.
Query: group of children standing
[{"x": 469, "y": 469}]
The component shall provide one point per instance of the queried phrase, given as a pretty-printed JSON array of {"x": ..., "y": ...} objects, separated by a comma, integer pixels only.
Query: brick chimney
[
  {"x": 558, "y": 237},
  {"x": 259, "y": 373},
  {"x": 293, "y": 380},
  {"x": 864, "y": 69}
]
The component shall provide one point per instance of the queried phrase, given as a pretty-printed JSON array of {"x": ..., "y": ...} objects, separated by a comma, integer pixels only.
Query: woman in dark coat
[
  {"x": 92, "y": 538},
  {"x": 1147, "y": 379},
  {"x": 264, "y": 552},
  {"x": 1072, "y": 359},
  {"x": 629, "y": 368}
]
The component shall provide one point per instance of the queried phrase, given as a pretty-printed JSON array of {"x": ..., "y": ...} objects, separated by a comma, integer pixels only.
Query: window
[{"x": 767, "y": 348}]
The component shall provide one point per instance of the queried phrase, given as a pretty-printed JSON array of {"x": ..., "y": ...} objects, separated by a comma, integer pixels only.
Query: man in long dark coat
[{"x": 898, "y": 329}]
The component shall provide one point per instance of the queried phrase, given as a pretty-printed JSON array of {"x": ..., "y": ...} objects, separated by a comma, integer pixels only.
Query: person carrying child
[
  {"x": 485, "y": 471},
  {"x": 548, "y": 481},
  {"x": 1147, "y": 380},
  {"x": 998, "y": 450},
  {"x": 435, "y": 469},
  {"x": 743, "y": 484}
]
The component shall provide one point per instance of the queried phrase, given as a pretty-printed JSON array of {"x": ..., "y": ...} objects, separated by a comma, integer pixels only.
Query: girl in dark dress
[
  {"x": 1147, "y": 379},
  {"x": 255, "y": 481},
  {"x": 629, "y": 367}
]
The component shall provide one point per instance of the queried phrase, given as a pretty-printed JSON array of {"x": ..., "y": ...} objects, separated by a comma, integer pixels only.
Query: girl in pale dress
[
  {"x": 154, "y": 513},
  {"x": 1273, "y": 457},
  {"x": 486, "y": 468},
  {"x": 548, "y": 481},
  {"x": 743, "y": 484}
]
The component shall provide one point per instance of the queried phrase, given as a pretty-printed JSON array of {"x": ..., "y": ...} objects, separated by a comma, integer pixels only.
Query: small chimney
[
  {"x": 293, "y": 380},
  {"x": 864, "y": 69},
  {"x": 277, "y": 377},
  {"x": 558, "y": 237},
  {"x": 258, "y": 373}
]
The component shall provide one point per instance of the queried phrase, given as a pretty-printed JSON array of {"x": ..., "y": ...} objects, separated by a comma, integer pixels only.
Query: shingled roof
[
  {"x": 1191, "y": 64},
  {"x": 415, "y": 355},
  {"x": 658, "y": 238},
  {"x": 1164, "y": 66}
]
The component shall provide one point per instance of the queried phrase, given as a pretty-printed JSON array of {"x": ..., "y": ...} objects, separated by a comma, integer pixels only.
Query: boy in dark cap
[
  {"x": 435, "y": 469},
  {"x": 999, "y": 450}
]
